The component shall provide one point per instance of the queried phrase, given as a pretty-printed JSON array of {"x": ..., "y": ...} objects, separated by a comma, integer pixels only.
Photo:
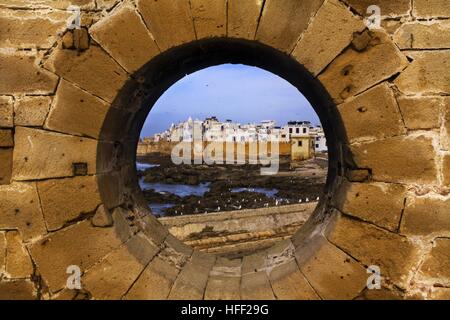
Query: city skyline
[
  {"x": 254, "y": 123},
  {"x": 242, "y": 93}
]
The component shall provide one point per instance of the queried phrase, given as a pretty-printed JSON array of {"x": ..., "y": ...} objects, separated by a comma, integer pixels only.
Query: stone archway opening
[{"x": 120, "y": 134}]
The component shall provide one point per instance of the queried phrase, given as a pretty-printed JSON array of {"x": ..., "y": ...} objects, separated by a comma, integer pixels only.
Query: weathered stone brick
[
  {"x": 67, "y": 40},
  {"x": 424, "y": 216},
  {"x": 357, "y": 70},
  {"x": 177, "y": 245},
  {"x": 20, "y": 209},
  {"x": 243, "y": 18},
  {"x": 254, "y": 262},
  {"x": 126, "y": 38},
  {"x": 394, "y": 254},
  {"x": 391, "y": 26},
  {"x": 437, "y": 264},
  {"x": 191, "y": 281},
  {"x": 81, "y": 245},
  {"x": 6, "y": 112},
  {"x": 373, "y": 114},
  {"x": 379, "y": 203},
  {"x": 325, "y": 38},
  {"x": 223, "y": 288},
  {"x": 227, "y": 266},
  {"x": 446, "y": 170},
  {"x": 76, "y": 111},
  {"x": 428, "y": 73},
  {"x": 388, "y": 8},
  {"x": 122, "y": 224},
  {"x": 357, "y": 175},
  {"x": 19, "y": 74},
  {"x": 18, "y": 262},
  {"x": 113, "y": 276},
  {"x": 6, "y": 138},
  {"x": 224, "y": 280},
  {"x": 81, "y": 196},
  {"x": 169, "y": 21},
  {"x": 421, "y": 35},
  {"x": 420, "y": 112},
  {"x": 446, "y": 111},
  {"x": 380, "y": 294},
  {"x": 111, "y": 186},
  {"x": 76, "y": 39},
  {"x": 282, "y": 22},
  {"x": 6, "y": 160},
  {"x": 210, "y": 18},
  {"x": 66, "y": 294},
  {"x": 30, "y": 29},
  {"x": 288, "y": 283},
  {"x": 431, "y": 8},
  {"x": 17, "y": 290},
  {"x": 398, "y": 159},
  {"x": 106, "y": 4},
  {"x": 328, "y": 269},
  {"x": 81, "y": 39},
  {"x": 256, "y": 286},
  {"x": 440, "y": 294},
  {"x": 42, "y": 154},
  {"x": 155, "y": 281},
  {"x": 86, "y": 68},
  {"x": 31, "y": 111}
]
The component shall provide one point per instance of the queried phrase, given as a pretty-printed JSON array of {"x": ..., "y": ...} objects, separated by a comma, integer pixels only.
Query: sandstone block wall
[{"x": 72, "y": 103}]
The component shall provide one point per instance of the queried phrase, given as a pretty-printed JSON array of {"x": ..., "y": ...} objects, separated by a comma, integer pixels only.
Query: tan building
[{"x": 302, "y": 147}]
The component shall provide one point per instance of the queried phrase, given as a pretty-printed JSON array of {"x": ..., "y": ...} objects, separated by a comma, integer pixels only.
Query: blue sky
[{"x": 238, "y": 92}]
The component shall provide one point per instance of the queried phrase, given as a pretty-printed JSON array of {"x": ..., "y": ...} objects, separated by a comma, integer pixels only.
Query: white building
[{"x": 211, "y": 129}]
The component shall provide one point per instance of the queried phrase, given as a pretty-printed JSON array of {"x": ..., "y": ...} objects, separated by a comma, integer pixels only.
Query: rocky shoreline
[{"x": 303, "y": 184}]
